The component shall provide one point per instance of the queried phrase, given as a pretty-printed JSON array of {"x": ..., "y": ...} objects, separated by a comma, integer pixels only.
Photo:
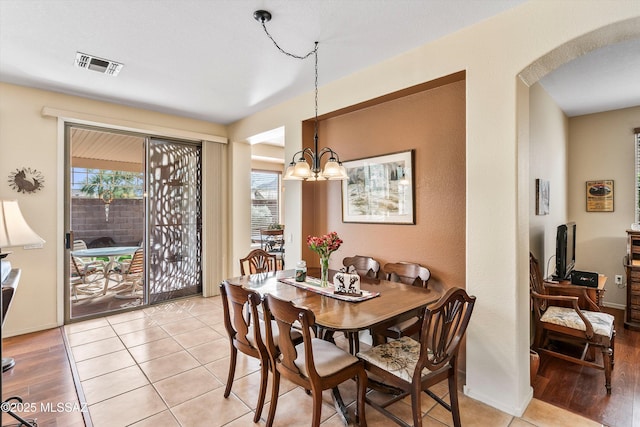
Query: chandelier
[{"x": 299, "y": 169}]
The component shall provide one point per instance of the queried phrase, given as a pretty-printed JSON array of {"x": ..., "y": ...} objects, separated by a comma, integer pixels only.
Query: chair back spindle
[
  {"x": 258, "y": 261},
  {"x": 286, "y": 314},
  {"x": 444, "y": 325}
]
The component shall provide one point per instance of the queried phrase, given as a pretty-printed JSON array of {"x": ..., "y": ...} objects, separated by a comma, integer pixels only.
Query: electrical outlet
[{"x": 618, "y": 279}]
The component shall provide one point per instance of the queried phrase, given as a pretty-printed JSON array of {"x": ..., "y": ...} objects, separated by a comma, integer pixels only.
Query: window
[
  {"x": 90, "y": 183},
  {"x": 265, "y": 200}
]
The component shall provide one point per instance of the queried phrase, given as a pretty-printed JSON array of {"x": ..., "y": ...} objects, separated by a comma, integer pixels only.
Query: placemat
[{"x": 312, "y": 284}]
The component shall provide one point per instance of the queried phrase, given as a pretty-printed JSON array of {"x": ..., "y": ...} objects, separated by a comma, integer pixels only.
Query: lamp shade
[
  {"x": 302, "y": 169},
  {"x": 14, "y": 230},
  {"x": 334, "y": 170},
  {"x": 289, "y": 176}
]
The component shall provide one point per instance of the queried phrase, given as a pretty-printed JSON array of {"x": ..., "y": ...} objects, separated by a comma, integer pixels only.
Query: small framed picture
[
  {"x": 600, "y": 196},
  {"x": 542, "y": 197}
]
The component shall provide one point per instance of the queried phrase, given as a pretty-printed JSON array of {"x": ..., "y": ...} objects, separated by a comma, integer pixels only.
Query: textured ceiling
[{"x": 211, "y": 60}]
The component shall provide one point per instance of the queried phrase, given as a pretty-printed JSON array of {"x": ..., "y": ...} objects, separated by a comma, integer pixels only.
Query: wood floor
[
  {"x": 42, "y": 375},
  {"x": 42, "y": 378},
  {"x": 581, "y": 389}
]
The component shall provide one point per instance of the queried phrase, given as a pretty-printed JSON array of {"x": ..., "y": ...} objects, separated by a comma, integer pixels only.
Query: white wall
[
  {"x": 548, "y": 159},
  {"x": 601, "y": 146},
  {"x": 493, "y": 53}
]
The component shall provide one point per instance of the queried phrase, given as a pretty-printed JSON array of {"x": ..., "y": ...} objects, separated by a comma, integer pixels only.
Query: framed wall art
[
  {"x": 379, "y": 189},
  {"x": 542, "y": 197},
  {"x": 600, "y": 196}
]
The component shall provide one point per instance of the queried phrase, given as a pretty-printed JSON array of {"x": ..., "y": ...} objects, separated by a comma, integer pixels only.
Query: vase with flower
[{"x": 324, "y": 246}]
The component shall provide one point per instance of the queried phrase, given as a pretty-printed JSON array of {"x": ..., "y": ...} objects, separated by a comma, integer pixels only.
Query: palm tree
[{"x": 121, "y": 184}]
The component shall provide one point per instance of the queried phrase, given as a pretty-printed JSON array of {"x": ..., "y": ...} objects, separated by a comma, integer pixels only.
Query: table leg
[
  {"x": 108, "y": 269},
  {"x": 354, "y": 347},
  {"x": 341, "y": 408}
]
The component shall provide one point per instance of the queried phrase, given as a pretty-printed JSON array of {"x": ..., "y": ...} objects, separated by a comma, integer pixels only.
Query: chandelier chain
[
  {"x": 313, "y": 52},
  {"x": 315, "y": 49},
  {"x": 299, "y": 168}
]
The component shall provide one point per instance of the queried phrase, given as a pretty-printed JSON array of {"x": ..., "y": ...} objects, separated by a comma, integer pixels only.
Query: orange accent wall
[{"x": 431, "y": 122}]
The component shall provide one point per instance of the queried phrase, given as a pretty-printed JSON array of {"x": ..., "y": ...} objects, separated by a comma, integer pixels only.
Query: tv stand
[{"x": 564, "y": 287}]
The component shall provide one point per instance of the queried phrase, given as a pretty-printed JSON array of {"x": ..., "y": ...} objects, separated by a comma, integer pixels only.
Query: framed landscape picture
[{"x": 379, "y": 189}]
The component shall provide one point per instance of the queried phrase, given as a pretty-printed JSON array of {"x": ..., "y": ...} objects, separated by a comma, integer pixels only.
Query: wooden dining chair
[
  {"x": 364, "y": 265},
  {"x": 246, "y": 334},
  {"x": 415, "y": 366},
  {"x": 258, "y": 261},
  {"x": 314, "y": 364},
  {"x": 408, "y": 273},
  {"x": 566, "y": 331}
]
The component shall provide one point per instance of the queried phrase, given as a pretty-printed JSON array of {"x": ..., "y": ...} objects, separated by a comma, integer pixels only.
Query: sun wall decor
[{"x": 26, "y": 180}]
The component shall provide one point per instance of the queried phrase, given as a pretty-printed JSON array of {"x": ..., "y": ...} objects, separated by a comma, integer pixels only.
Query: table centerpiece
[{"x": 324, "y": 246}]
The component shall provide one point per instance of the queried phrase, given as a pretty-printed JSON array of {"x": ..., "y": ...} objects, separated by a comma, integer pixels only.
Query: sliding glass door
[{"x": 132, "y": 219}]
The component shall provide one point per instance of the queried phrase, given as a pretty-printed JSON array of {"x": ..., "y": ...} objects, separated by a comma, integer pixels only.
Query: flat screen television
[{"x": 565, "y": 250}]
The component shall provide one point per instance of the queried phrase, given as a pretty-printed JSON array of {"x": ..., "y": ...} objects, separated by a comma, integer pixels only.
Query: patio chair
[
  {"x": 87, "y": 278},
  {"x": 133, "y": 275}
]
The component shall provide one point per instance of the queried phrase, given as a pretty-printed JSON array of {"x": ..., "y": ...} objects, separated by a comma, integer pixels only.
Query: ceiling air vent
[{"x": 100, "y": 65}]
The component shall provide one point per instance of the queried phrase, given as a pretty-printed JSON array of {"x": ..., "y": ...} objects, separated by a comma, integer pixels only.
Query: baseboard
[
  {"x": 614, "y": 305},
  {"x": 14, "y": 333},
  {"x": 517, "y": 411}
]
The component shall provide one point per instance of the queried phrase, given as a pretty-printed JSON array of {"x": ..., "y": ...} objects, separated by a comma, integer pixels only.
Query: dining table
[
  {"x": 110, "y": 252},
  {"x": 383, "y": 302}
]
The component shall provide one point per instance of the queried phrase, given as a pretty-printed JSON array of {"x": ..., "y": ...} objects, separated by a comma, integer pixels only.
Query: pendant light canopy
[{"x": 300, "y": 169}]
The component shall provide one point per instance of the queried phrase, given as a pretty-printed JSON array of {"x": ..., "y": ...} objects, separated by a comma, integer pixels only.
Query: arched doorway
[{"x": 589, "y": 42}]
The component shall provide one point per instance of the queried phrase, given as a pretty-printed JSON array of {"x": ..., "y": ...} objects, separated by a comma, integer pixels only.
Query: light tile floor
[{"x": 166, "y": 365}]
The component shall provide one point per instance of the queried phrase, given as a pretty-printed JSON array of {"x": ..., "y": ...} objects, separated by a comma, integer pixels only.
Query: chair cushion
[
  {"x": 327, "y": 357},
  {"x": 563, "y": 316},
  {"x": 398, "y": 357}
]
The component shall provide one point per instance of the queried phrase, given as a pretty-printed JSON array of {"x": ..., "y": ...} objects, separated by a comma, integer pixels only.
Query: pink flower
[{"x": 324, "y": 245}]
